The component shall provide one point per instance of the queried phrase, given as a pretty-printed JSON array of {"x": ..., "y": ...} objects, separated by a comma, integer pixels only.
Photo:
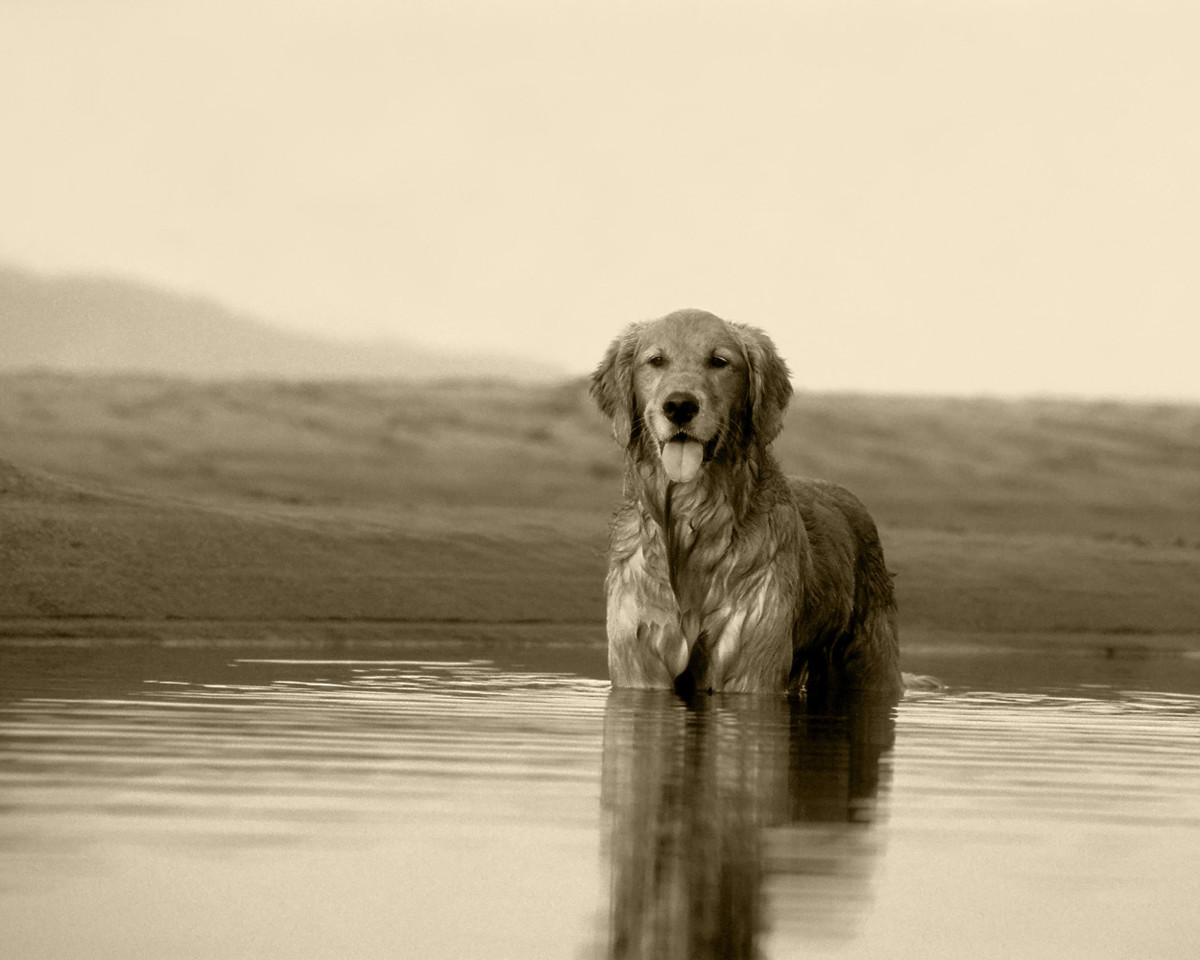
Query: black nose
[{"x": 680, "y": 408}]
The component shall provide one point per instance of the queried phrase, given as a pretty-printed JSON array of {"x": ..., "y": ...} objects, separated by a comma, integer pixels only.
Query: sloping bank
[{"x": 79, "y": 561}]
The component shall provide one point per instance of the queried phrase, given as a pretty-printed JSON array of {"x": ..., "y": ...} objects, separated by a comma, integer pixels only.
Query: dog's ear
[
  {"x": 612, "y": 385},
  {"x": 768, "y": 390}
]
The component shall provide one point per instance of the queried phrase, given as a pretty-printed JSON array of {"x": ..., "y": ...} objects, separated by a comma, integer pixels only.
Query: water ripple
[{"x": 454, "y": 807}]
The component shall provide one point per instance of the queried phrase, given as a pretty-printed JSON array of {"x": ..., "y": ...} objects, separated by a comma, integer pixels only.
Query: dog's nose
[{"x": 681, "y": 407}]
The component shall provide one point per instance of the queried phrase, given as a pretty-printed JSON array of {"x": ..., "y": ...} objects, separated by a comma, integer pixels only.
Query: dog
[{"x": 723, "y": 574}]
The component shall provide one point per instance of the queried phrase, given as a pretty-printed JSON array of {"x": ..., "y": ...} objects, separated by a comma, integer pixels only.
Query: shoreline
[{"x": 100, "y": 632}]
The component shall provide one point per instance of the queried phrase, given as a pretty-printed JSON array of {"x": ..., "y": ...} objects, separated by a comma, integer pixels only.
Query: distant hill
[{"x": 101, "y": 324}]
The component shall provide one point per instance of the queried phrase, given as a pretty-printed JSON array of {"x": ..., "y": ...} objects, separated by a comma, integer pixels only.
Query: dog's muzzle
[{"x": 682, "y": 455}]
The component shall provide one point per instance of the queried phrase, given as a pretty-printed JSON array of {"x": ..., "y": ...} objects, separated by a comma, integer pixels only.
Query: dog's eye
[
  {"x": 657, "y": 360},
  {"x": 718, "y": 362}
]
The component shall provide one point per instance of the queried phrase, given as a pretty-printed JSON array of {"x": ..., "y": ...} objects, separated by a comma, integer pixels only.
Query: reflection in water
[
  {"x": 711, "y": 801},
  {"x": 205, "y": 802}
]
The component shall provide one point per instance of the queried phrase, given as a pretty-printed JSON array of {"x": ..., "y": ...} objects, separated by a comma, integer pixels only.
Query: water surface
[{"x": 223, "y": 801}]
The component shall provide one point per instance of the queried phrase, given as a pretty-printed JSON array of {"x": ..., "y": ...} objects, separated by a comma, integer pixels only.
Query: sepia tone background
[{"x": 918, "y": 196}]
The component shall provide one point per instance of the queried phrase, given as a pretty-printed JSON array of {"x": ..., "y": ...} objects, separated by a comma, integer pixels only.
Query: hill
[
  {"x": 1100, "y": 470},
  {"x": 85, "y": 323},
  {"x": 156, "y": 504},
  {"x": 78, "y": 559}
]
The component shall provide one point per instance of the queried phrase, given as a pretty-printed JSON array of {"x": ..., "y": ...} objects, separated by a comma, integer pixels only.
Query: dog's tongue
[{"x": 681, "y": 459}]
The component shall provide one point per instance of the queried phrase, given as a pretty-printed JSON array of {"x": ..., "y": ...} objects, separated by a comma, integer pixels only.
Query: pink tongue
[{"x": 681, "y": 459}]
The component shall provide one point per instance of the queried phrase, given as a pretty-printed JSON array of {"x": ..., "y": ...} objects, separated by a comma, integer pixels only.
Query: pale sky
[{"x": 968, "y": 196}]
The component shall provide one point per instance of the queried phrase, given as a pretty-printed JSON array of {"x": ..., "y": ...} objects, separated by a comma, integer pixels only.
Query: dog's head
[{"x": 691, "y": 388}]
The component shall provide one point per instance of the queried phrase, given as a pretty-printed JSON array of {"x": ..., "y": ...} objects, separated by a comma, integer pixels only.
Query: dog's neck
[{"x": 698, "y": 519}]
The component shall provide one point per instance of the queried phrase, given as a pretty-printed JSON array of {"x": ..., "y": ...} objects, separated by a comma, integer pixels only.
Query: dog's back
[{"x": 846, "y": 631}]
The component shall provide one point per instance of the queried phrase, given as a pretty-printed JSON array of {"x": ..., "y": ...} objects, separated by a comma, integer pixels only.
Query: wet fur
[{"x": 741, "y": 578}]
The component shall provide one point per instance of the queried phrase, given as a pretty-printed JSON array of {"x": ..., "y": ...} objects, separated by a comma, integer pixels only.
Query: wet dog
[{"x": 723, "y": 574}]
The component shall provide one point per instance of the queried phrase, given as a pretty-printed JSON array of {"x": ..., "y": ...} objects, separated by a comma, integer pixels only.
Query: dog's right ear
[
  {"x": 769, "y": 387},
  {"x": 612, "y": 385}
]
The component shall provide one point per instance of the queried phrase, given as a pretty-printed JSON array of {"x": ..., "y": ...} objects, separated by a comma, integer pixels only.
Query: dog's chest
[
  {"x": 681, "y": 568},
  {"x": 723, "y": 594}
]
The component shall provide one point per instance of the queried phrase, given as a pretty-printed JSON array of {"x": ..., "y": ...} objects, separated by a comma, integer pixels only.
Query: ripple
[
  {"x": 459, "y": 806},
  {"x": 1126, "y": 759},
  {"x": 297, "y": 749}
]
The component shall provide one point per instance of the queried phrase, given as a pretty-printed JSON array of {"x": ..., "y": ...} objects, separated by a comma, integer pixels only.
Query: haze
[{"x": 971, "y": 197}]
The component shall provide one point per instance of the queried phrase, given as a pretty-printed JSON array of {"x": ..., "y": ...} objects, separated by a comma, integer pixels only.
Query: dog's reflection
[{"x": 712, "y": 801}]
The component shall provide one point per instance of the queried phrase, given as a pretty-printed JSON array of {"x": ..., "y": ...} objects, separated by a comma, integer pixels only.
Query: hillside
[
  {"x": 1098, "y": 470},
  {"x": 77, "y": 557},
  {"x": 166, "y": 504},
  {"x": 86, "y": 323}
]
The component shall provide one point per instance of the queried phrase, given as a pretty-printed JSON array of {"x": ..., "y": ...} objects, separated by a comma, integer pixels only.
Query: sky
[{"x": 934, "y": 196}]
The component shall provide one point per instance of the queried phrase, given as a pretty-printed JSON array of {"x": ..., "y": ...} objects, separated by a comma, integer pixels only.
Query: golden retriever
[{"x": 723, "y": 574}]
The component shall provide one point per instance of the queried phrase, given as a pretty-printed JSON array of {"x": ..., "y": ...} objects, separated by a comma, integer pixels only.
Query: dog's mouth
[{"x": 683, "y": 456}]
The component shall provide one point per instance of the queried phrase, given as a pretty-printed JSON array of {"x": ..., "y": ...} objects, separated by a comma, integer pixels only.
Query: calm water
[{"x": 224, "y": 802}]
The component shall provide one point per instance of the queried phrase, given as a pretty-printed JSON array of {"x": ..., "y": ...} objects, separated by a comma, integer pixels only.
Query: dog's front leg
[{"x": 646, "y": 645}]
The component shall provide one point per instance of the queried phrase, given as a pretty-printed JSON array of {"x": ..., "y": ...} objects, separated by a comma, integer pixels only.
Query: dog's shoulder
[
  {"x": 628, "y": 530},
  {"x": 809, "y": 491},
  {"x": 823, "y": 505}
]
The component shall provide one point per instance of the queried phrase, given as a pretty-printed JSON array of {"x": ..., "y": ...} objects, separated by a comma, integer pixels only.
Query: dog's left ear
[
  {"x": 612, "y": 385},
  {"x": 769, "y": 388}
]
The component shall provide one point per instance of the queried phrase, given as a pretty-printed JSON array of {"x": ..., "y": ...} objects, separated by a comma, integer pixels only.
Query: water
[{"x": 226, "y": 802}]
